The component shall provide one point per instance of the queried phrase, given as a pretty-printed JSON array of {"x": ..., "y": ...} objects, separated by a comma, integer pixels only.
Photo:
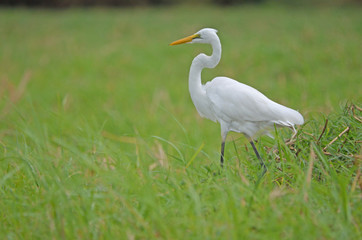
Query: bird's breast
[{"x": 204, "y": 107}]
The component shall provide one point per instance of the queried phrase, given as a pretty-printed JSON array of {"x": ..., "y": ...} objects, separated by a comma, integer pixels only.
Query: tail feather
[
  {"x": 295, "y": 117},
  {"x": 290, "y": 116}
]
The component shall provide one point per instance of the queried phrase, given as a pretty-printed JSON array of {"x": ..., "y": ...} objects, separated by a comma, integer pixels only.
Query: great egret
[{"x": 236, "y": 106}]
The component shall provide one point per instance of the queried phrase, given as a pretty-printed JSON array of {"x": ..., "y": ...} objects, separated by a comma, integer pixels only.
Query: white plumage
[{"x": 236, "y": 106}]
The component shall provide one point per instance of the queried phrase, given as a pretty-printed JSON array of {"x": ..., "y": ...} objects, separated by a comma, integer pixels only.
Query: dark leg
[
  {"x": 222, "y": 153},
  {"x": 258, "y": 156}
]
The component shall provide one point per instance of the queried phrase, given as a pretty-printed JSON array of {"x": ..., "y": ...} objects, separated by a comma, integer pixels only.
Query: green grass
[{"x": 99, "y": 138}]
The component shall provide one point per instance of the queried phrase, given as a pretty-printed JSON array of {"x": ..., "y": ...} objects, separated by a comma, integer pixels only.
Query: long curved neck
[{"x": 200, "y": 62}]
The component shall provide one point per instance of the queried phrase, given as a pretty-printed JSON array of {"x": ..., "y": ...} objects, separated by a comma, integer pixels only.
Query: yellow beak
[{"x": 185, "y": 40}]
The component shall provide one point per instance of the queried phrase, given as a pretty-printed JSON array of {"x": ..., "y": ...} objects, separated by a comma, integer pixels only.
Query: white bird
[{"x": 236, "y": 106}]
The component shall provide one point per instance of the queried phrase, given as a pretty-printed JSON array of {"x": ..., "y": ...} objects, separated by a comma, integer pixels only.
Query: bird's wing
[{"x": 235, "y": 101}]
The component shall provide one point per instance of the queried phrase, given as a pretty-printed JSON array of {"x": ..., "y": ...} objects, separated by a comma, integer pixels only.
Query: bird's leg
[
  {"x": 258, "y": 156},
  {"x": 222, "y": 153},
  {"x": 291, "y": 140},
  {"x": 223, "y": 140}
]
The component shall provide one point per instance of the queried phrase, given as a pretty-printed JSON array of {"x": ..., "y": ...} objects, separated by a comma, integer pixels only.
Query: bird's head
[{"x": 205, "y": 35}]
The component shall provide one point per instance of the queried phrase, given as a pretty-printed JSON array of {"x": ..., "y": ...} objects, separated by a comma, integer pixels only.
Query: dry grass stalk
[
  {"x": 324, "y": 129},
  {"x": 336, "y": 138},
  {"x": 15, "y": 93}
]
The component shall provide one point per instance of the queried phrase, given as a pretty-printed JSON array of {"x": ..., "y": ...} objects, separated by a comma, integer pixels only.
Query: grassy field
[{"x": 99, "y": 138}]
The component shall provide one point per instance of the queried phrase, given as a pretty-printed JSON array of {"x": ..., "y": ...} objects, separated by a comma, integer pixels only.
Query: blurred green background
[
  {"x": 116, "y": 63},
  {"x": 72, "y": 3}
]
